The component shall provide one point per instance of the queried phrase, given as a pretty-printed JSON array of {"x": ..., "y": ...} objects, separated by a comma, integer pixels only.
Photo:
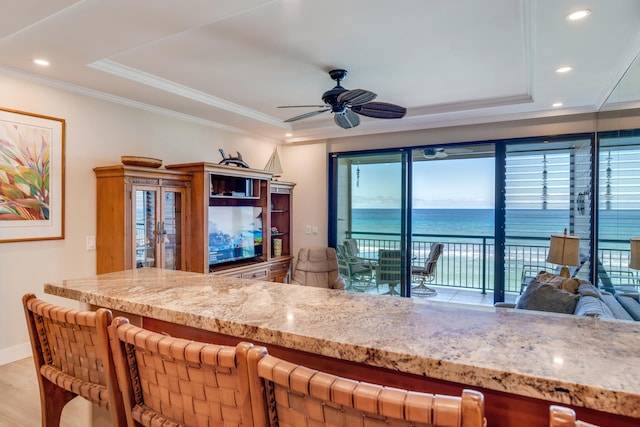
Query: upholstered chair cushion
[{"x": 318, "y": 267}]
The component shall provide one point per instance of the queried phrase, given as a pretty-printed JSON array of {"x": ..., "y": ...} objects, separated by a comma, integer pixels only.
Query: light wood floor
[{"x": 20, "y": 398}]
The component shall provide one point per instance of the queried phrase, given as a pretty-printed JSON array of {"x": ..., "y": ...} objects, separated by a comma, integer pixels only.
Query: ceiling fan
[
  {"x": 344, "y": 104},
  {"x": 431, "y": 153},
  {"x": 434, "y": 153}
]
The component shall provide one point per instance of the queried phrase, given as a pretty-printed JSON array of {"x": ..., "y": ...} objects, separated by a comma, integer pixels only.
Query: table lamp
[
  {"x": 634, "y": 261},
  {"x": 564, "y": 250}
]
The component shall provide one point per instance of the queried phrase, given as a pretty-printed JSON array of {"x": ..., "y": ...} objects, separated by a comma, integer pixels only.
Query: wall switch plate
[
  {"x": 91, "y": 243},
  {"x": 307, "y": 229}
]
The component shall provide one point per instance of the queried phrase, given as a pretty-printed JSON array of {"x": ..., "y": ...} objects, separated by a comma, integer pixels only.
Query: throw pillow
[
  {"x": 587, "y": 289},
  {"x": 543, "y": 296},
  {"x": 567, "y": 284}
]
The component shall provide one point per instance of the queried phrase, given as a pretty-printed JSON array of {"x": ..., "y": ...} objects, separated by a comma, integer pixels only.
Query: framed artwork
[{"x": 31, "y": 176}]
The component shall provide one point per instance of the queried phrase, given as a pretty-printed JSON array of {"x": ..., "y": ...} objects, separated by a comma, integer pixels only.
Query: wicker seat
[
  {"x": 302, "y": 397},
  {"x": 72, "y": 358},
  {"x": 560, "y": 416},
  {"x": 169, "y": 381}
]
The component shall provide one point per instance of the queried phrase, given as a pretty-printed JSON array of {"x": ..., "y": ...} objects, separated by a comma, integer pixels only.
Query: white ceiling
[{"x": 232, "y": 63}]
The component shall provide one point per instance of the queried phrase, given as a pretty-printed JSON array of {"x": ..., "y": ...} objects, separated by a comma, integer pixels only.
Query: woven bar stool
[
  {"x": 72, "y": 358},
  {"x": 560, "y": 416},
  {"x": 170, "y": 381},
  {"x": 297, "y": 396}
]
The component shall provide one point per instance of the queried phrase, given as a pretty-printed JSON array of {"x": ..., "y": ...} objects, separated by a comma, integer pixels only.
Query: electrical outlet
[{"x": 91, "y": 243}]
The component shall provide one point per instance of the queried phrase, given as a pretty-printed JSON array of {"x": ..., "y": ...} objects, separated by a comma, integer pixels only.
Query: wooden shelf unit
[{"x": 218, "y": 185}]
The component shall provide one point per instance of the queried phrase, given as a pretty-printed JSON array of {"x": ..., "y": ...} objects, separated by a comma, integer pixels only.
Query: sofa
[
  {"x": 552, "y": 293},
  {"x": 631, "y": 303}
]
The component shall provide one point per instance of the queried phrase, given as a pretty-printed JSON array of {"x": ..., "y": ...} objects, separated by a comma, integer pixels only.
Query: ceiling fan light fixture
[
  {"x": 565, "y": 69},
  {"x": 434, "y": 153},
  {"x": 578, "y": 14}
]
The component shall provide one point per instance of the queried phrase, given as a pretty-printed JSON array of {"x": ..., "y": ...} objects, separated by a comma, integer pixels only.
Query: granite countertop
[{"x": 568, "y": 359}]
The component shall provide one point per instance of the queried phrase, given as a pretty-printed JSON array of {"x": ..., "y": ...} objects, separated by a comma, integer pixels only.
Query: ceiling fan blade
[
  {"x": 306, "y": 115},
  {"x": 380, "y": 110},
  {"x": 356, "y": 96},
  {"x": 346, "y": 120},
  {"x": 301, "y": 106}
]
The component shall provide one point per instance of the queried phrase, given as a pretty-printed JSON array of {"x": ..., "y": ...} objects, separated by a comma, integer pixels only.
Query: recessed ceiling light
[
  {"x": 578, "y": 14},
  {"x": 288, "y": 135},
  {"x": 39, "y": 61},
  {"x": 564, "y": 69},
  {"x": 557, "y": 104}
]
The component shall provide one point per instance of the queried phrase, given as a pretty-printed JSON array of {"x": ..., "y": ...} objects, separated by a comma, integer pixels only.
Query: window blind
[{"x": 547, "y": 190}]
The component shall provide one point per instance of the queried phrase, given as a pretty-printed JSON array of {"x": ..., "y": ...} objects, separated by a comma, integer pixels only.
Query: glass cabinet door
[
  {"x": 159, "y": 227},
  {"x": 171, "y": 227},
  {"x": 146, "y": 224}
]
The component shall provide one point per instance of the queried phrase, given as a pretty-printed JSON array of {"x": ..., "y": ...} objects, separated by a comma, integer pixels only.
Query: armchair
[{"x": 318, "y": 267}]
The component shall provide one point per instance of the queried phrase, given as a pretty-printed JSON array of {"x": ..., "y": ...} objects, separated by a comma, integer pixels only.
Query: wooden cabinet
[
  {"x": 281, "y": 204},
  {"x": 141, "y": 218},
  {"x": 232, "y": 212}
]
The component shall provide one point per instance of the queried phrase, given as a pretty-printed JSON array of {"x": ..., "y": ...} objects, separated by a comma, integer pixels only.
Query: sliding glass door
[
  {"x": 488, "y": 208},
  {"x": 453, "y": 200},
  {"x": 369, "y": 222}
]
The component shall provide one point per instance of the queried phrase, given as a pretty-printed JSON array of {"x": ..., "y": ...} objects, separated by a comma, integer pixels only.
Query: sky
[{"x": 449, "y": 184}]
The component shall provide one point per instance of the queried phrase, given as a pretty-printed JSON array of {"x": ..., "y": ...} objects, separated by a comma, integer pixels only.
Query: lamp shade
[
  {"x": 564, "y": 250},
  {"x": 635, "y": 253}
]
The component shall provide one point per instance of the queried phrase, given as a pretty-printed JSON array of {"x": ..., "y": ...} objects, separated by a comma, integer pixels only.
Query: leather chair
[
  {"x": 560, "y": 416},
  {"x": 72, "y": 357},
  {"x": 169, "y": 381},
  {"x": 318, "y": 267},
  {"x": 299, "y": 396}
]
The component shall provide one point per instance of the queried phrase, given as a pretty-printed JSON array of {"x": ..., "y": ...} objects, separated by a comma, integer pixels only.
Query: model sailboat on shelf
[{"x": 273, "y": 164}]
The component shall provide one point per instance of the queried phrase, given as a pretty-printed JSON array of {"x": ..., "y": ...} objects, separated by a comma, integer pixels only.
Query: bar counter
[{"x": 575, "y": 361}]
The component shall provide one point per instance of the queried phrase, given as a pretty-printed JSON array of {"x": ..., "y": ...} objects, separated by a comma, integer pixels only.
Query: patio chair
[
  {"x": 428, "y": 272},
  {"x": 560, "y": 416},
  {"x": 72, "y": 358},
  {"x": 358, "y": 274},
  {"x": 389, "y": 269},
  {"x": 299, "y": 396},
  {"x": 351, "y": 245}
]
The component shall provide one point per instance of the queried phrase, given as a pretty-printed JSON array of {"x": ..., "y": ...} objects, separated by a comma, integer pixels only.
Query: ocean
[
  {"x": 615, "y": 225},
  {"x": 526, "y": 230}
]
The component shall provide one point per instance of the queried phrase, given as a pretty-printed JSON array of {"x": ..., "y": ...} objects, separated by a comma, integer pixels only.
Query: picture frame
[{"x": 32, "y": 176}]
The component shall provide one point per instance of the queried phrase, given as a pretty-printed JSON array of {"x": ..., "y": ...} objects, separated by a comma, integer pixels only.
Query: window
[{"x": 618, "y": 208}]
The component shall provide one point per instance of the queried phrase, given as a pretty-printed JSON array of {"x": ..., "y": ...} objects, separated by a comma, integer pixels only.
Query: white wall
[
  {"x": 306, "y": 165},
  {"x": 97, "y": 134}
]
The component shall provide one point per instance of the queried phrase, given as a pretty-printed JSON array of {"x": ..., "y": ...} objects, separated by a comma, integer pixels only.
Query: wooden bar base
[{"x": 501, "y": 409}]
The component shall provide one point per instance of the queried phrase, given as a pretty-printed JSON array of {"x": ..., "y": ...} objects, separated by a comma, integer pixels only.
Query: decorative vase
[{"x": 277, "y": 247}]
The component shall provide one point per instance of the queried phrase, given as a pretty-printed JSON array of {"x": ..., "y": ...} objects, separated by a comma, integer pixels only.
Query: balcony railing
[{"x": 468, "y": 260}]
